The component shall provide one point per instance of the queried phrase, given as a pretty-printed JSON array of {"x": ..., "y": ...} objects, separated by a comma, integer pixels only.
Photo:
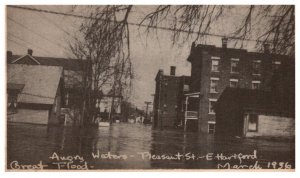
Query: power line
[
  {"x": 29, "y": 43},
  {"x": 131, "y": 23},
  {"x": 17, "y": 43},
  {"x": 56, "y": 25},
  {"x": 30, "y": 30}
]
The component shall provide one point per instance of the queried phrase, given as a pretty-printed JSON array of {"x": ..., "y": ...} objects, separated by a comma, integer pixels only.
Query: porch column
[{"x": 185, "y": 113}]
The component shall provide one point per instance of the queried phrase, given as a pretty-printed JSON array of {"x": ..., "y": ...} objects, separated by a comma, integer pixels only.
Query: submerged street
[{"x": 137, "y": 146}]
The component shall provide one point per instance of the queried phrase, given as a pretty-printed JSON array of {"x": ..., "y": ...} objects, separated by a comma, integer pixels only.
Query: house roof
[
  {"x": 40, "y": 82},
  {"x": 67, "y": 64}
]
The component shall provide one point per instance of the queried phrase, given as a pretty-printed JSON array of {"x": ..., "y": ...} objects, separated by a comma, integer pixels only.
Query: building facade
[
  {"x": 253, "y": 113},
  {"x": 215, "y": 68},
  {"x": 72, "y": 73},
  {"x": 108, "y": 106},
  {"x": 169, "y": 104},
  {"x": 34, "y": 94},
  {"x": 72, "y": 80}
]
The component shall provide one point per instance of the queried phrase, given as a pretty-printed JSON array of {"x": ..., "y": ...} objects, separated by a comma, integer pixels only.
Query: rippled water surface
[{"x": 29, "y": 144}]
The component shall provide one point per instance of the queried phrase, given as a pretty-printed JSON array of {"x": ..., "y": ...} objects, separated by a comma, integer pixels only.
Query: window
[
  {"x": 253, "y": 123},
  {"x": 67, "y": 76},
  {"x": 67, "y": 99},
  {"x": 215, "y": 64},
  {"x": 255, "y": 85},
  {"x": 276, "y": 65},
  {"x": 211, "y": 127},
  {"x": 13, "y": 90},
  {"x": 256, "y": 67},
  {"x": 12, "y": 102},
  {"x": 98, "y": 101},
  {"x": 215, "y": 57},
  {"x": 55, "y": 104},
  {"x": 233, "y": 83},
  {"x": 165, "y": 108},
  {"x": 214, "y": 85},
  {"x": 186, "y": 87},
  {"x": 211, "y": 109},
  {"x": 234, "y": 65}
]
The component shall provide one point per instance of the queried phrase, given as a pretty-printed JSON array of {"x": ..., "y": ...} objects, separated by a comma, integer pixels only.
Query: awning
[
  {"x": 15, "y": 86},
  {"x": 194, "y": 95}
]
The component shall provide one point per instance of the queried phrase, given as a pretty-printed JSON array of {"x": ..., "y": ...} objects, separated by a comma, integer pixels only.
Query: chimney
[
  {"x": 9, "y": 55},
  {"x": 193, "y": 45},
  {"x": 224, "y": 42},
  {"x": 29, "y": 51},
  {"x": 161, "y": 71},
  {"x": 266, "y": 48},
  {"x": 160, "y": 74},
  {"x": 172, "y": 70}
]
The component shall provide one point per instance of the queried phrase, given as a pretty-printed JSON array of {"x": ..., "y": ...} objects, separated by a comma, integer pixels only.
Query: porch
[{"x": 191, "y": 106}]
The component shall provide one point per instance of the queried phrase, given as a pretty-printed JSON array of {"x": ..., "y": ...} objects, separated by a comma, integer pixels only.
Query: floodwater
[{"x": 137, "y": 146}]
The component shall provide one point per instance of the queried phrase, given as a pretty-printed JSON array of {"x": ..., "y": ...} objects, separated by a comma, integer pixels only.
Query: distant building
[
  {"x": 253, "y": 113},
  {"x": 213, "y": 69},
  {"x": 34, "y": 93},
  {"x": 109, "y": 105},
  {"x": 169, "y": 104}
]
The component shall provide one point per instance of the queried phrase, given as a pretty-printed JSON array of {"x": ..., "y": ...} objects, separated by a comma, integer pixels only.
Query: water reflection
[
  {"x": 31, "y": 143},
  {"x": 185, "y": 143}
]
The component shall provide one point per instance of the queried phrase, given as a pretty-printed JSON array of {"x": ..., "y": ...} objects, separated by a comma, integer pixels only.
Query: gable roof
[
  {"x": 27, "y": 55},
  {"x": 67, "y": 64},
  {"x": 40, "y": 82}
]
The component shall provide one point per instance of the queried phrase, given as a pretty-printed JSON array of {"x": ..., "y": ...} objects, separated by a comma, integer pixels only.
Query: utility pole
[{"x": 147, "y": 105}]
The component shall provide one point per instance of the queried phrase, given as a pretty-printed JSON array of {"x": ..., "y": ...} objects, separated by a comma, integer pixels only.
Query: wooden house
[{"x": 34, "y": 93}]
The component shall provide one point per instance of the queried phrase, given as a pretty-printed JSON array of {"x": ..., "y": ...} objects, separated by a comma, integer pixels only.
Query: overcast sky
[{"x": 48, "y": 35}]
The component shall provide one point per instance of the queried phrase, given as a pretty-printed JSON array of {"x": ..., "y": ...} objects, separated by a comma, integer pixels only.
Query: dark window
[
  {"x": 255, "y": 85},
  {"x": 211, "y": 106},
  {"x": 67, "y": 99},
  {"x": 256, "y": 67},
  {"x": 12, "y": 102},
  {"x": 233, "y": 83},
  {"x": 186, "y": 87},
  {"x": 211, "y": 128},
  {"x": 214, "y": 85},
  {"x": 215, "y": 65},
  {"x": 276, "y": 65},
  {"x": 253, "y": 123},
  {"x": 234, "y": 66}
]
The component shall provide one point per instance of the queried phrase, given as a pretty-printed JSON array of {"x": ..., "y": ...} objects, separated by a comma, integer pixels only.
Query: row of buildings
[
  {"x": 47, "y": 90},
  {"x": 230, "y": 91}
]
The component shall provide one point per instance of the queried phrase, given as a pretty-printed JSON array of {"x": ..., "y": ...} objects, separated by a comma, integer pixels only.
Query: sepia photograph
[{"x": 150, "y": 87}]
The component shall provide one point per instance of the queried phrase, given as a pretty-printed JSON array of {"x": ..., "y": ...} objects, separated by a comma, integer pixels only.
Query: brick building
[
  {"x": 215, "y": 68},
  {"x": 168, "y": 100}
]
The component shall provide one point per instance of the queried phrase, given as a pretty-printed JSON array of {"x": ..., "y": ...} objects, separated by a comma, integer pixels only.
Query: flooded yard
[{"x": 137, "y": 146}]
